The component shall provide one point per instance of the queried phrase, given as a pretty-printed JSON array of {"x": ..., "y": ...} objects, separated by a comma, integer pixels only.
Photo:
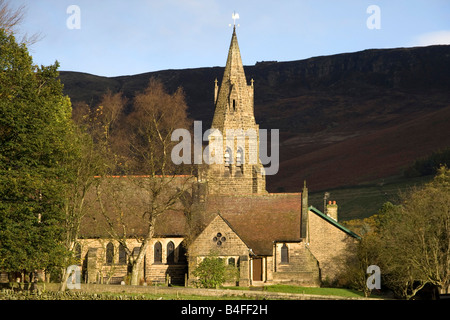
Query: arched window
[
  {"x": 228, "y": 160},
  {"x": 158, "y": 252},
  {"x": 232, "y": 262},
  {"x": 136, "y": 251},
  {"x": 239, "y": 158},
  {"x": 122, "y": 255},
  {"x": 284, "y": 253},
  {"x": 109, "y": 253},
  {"x": 228, "y": 156},
  {"x": 170, "y": 252}
]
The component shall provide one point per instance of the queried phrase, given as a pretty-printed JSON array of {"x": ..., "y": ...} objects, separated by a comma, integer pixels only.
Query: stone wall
[
  {"x": 301, "y": 268},
  {"x": 329, "y": 245},
  {"x": 96, "y": 270},
  {"x": 220, "y": 239},
  {"x": 235, "y": 121}
]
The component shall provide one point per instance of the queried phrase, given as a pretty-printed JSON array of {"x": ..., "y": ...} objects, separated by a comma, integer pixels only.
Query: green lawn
[
  {"x": 341, "y": 292},
  {"x": 313, "y": 290}
]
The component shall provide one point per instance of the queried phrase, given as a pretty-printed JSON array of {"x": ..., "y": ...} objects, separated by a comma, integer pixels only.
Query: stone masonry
[
  {"x": 271, "y": 238},
  {"x": 240, "y": 170},
  {"x": 227, "y": 245}
]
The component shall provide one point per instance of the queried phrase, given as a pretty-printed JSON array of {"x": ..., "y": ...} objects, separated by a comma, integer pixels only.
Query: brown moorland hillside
[{"x": 344, "y": 119}]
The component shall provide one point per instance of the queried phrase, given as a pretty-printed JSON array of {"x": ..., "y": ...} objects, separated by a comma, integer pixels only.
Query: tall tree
[
  {"x": 35, "y": 145},
  {"x": 414, "y": 246},
  {"x": 155, "y": 116},
  {"x": 354, "y": 275},
  {"x": 97, "y": 157},
  {"x": 88, "y": 165}
]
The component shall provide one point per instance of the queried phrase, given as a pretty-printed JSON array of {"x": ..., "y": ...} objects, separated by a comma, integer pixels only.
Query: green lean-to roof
[{"x": 333, "y": 222}]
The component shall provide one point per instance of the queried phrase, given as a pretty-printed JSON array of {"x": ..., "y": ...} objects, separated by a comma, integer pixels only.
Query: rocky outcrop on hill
[{"x": 343, "y": 119}]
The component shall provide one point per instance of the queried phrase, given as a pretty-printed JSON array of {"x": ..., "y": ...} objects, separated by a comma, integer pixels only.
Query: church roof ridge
[
  {"x": 258, "y": 195},
  {"x": 146, "y": 176}
]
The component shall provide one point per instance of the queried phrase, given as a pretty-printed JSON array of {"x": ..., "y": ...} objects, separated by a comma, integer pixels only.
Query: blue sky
[{"x": 120, "y": 37}]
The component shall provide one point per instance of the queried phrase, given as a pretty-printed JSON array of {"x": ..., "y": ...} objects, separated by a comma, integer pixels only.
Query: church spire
[
  {"x": 234, "y": 68},
  {"x": 235, "y": 96},
  {"x": 239, "y": 169}
]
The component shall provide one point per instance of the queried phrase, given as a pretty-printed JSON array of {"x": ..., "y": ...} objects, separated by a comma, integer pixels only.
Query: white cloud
[{"x": 432, "y": 38}]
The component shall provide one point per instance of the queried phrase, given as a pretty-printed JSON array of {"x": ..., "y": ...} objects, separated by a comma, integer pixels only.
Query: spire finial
[{"x": 234, "y": 16}]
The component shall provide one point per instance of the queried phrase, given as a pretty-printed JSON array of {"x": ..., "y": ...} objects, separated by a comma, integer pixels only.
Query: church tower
[{"x": 234, "y": 139}]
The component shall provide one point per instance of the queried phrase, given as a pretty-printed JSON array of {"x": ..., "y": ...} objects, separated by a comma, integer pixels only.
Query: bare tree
[
  {"x": 81, "y": 114},
  {"x": 155, "y": 116},
  {"x": 11, "y": 19},
  {"x": 110, "y": 112},
  {"x": 88, "y": 165},
  {"x": 160, "y": 190},
  {"x": 104, "y": 123},
  {"x": 94, "y": 161}
]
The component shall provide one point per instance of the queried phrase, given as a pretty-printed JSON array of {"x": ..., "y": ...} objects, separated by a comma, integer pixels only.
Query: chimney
[
  {"x": 332, "y": 210},
  {"x": 304, "y": 213}
]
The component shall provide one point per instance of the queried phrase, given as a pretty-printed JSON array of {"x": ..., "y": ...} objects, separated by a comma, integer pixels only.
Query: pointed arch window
[
  {"x": 158, "y": 252},
  {"x": 170, "y": 252},
  {"x": 122, "y": 255},
  {"x": 240, "y": 158},
  {"x": 228, "y": 156},
  {"x": 109, "y": 253},
  {"x": 284, "y": 254},
  {"x": 228, "y": 160}
]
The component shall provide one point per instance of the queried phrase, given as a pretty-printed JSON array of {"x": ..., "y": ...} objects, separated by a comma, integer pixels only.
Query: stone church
[{"x": 269, "y": 237}]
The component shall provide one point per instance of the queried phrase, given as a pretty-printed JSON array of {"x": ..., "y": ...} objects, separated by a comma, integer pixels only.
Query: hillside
[{"x": 344, "y": 119}]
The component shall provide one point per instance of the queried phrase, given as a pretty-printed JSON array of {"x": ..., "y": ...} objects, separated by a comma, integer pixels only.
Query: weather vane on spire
[{"x": 234, "y": 16}]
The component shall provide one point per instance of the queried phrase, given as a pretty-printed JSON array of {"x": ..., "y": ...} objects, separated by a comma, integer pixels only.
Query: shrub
[{"x": 212, "y": 272}]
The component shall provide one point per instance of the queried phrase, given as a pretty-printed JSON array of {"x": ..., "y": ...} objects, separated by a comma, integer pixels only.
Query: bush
[
  {"x": 212, "y": 272},
  {"x": 428, "y": 165}
]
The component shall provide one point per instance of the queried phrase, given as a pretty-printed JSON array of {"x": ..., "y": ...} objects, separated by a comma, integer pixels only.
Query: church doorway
[{"x": 257, "y": 269}]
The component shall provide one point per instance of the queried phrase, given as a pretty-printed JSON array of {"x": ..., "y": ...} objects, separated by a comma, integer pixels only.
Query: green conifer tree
[{"x": 36, "y": 148}]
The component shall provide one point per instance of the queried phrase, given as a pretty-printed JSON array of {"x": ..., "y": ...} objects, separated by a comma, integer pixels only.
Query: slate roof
[
  {"x": 260, "y": 220},
  {"x": 126, "y": 199}
]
